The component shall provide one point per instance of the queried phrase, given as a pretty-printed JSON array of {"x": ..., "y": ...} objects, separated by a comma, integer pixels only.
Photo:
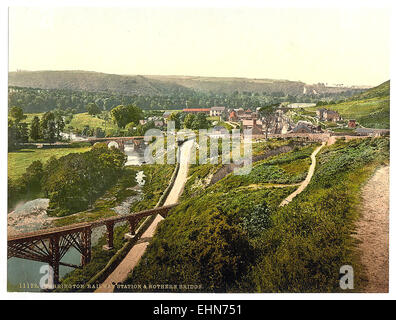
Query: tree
[
  {"x": 32, "y": 177},
  {"x": 188, "y": 120},
  {"x": 35, "y": 133},
  {"x": 17, "y": 114},
  {"x": 93, "y": 109},
  {"x": 48, "y": 126},
  {"x": 122, "y": 115},
  {"x": 176, "y": 117},
  {"x": 99, "y": 133},
  {"x": 74, "y": 181},
  {"x": 12, "y": 135},
  {"x": 268, "y": 116},
  {"x": 60, "y": 125},
  {"x": 200, "y": 122}
]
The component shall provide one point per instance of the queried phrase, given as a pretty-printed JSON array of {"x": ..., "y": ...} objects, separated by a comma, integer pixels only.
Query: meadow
[
  {"x": 18, "y": 161},
  {"x": 80, "y": 120}
]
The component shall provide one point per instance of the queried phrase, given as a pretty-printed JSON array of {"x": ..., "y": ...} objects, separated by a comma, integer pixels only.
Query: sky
[{"x": 349, "y": 46}]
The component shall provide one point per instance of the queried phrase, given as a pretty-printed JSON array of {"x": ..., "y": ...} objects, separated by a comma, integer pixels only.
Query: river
[{"x": 24, "y": 275}]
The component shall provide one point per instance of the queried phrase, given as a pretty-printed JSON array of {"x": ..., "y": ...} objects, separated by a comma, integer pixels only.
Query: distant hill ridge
[{"x": 157, "y": 85}]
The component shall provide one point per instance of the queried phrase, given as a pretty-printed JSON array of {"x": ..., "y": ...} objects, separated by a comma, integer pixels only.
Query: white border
[{"x": 179, "y": 3}]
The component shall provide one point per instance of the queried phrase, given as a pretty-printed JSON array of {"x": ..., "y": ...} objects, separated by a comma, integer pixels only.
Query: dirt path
[
  {"x": 132, "y": 258},
  {"x": 373, "y": 231},
  {"x": 307, "y": 180}
]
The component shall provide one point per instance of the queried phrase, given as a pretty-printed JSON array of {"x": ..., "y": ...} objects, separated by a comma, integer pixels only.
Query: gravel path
[
  {"x": 373, "y": 231},
  {"x": 307, "y": 180},
  {"x": 132, "y": 258}
]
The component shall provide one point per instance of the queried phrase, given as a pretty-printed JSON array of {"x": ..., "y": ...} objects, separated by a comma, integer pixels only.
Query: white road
[{"x": 120, "y": 274}]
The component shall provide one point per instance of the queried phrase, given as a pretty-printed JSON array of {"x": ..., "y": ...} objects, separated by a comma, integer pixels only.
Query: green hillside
[
  {"x": 383, "y": 90},
  {"x": 231, "y": 240},
  {"x": 370, "y": 108}
]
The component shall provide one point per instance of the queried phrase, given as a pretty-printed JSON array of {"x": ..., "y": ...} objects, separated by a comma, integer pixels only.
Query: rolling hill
[{"x": 159, "y": 85}]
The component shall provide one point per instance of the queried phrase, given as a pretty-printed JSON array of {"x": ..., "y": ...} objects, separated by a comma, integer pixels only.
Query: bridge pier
[
  {"x": 54, "y": 257},
  {"x": 110, "y": 236},
  {"x": 49, "y": 246},
  {"x": 86, "y": 246},
  {"x": 132, "y": 228}
]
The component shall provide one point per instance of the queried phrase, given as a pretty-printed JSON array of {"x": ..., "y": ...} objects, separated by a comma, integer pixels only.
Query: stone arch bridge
[{"x": 118, "y": 142}]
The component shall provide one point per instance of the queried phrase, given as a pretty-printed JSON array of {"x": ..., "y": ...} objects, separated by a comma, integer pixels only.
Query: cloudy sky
[{"x": 349, "y": 46}]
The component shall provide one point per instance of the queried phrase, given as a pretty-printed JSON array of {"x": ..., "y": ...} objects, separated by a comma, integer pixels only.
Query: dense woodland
[{"x": 42, "y": 100}]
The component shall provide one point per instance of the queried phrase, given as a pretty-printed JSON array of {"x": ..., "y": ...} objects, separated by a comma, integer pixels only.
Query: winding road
[{"x": 120, "y": 274}]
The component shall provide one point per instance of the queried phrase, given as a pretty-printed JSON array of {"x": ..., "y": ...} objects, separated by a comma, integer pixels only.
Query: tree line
[
  {"x": 48, "y": 128},
  {"x": 33, "y": 100}
]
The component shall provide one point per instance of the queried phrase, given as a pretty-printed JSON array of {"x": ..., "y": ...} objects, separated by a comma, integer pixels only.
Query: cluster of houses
[{"x": 248, "y": 119}]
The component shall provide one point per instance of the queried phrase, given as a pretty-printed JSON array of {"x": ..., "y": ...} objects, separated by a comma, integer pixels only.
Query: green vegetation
[
  {"x": 102, "y": 207},
  {"x": 370, "y": 109},
  {"x": 287, "y": 168},
  {"x": 311, "y": 237},
  {"x": 196, "y": 121},
  {"x": 199, "y": 176},
  {"x": 18, "y": 161},
  {"x": 81, "y": 120},
  {"x": 157, "y": 178},
  {"x": 198, "y": 179},
  {"x": 122, "y": 115},
  {"x": 73, "y": 182},
  {"x": 230, "y": 240}
]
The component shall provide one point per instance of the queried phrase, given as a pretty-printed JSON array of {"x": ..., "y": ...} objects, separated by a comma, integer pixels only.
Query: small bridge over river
[
  {"x": 51, "y": 245},
  {"x": 118, "y": 142}
]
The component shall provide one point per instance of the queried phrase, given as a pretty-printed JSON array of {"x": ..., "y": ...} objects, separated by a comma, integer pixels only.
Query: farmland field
[
  {"x": 19, "y": 160},
  {"x": 80, "y": 120}
]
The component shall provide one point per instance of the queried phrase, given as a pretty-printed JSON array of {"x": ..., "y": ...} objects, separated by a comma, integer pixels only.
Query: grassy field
[
  {"x": 370, "y": 113},
  {"x": 80, "y": 120},
  {"x": 19, "y": 160}
]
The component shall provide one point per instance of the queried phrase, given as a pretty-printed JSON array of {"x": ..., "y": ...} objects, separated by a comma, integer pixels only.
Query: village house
[
  {"x": 217, "y": 111},
  {"x": 306, "y": 127},
  {"x": 328, "y": 115},
  {"x": 233, "y": 116},
  {"x": 351, "y": 123},
  {"x": 255, "y": 125}
]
